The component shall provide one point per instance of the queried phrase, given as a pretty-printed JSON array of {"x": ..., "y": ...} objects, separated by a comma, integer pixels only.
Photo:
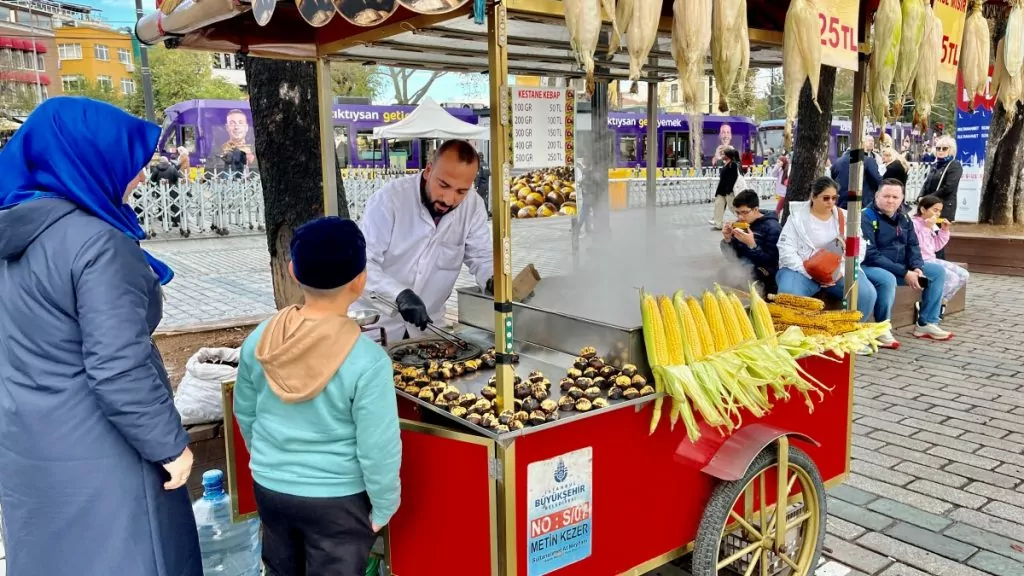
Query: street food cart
[{"x": 567, "y": 491}]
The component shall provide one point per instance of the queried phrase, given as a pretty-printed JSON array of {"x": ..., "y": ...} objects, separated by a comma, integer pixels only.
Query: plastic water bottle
[{"x": 228, "y": 549}]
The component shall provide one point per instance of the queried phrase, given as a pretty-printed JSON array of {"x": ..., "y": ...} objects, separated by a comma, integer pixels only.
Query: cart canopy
[{"x": 430, "y": 120}]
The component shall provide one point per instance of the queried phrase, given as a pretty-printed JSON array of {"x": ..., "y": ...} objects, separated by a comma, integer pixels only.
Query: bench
[{"x": 903, "y": 306}]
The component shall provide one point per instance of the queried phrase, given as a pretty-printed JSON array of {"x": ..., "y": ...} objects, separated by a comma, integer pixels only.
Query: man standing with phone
[{"x": 894, "y": 258}]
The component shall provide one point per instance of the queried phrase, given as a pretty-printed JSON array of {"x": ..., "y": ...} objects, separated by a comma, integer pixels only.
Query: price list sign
[
  {"x": 837, "y": 23},
  {"x": 953, "y": 15},
  {"x": 539, "y": 127}
]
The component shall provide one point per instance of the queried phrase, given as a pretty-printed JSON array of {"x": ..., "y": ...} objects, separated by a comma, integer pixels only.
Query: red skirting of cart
[{"x": 593, "y": 496}]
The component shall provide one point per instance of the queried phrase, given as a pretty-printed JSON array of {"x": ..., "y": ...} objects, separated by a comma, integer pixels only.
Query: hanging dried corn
[
  {"x": 691, "y": 40},
  {"x": 583, "y": 19},
  {"x": 641, "y": 34},
  {"x": 624, "y": 10},
  {"x": 885, "y": 53},
  {"x": 927, "y": 79},
  {"x": 728, "y": 22},
  {"x": 1014, "y": 37},
  {"x": 974, "y": 56},
  {"x": 914, "y": 20},
  {"x": 1009, "y": 89},
  {"x": 801, "y": 58}
]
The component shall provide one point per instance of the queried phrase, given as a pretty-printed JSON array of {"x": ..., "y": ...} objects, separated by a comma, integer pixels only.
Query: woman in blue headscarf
[{"x": 93, "y": 456}]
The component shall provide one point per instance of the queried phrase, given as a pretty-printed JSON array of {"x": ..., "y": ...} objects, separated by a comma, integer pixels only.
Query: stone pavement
[{"x": 938, "y": 448}]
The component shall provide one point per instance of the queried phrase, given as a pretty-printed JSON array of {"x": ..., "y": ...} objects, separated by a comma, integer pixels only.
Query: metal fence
[{"x": 223, "y": 205}]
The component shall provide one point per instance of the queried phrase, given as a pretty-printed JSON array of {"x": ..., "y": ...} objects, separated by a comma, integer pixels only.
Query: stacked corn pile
[
  {"x": 713, "y": 359},
  {"x": 809, "y": 314}
]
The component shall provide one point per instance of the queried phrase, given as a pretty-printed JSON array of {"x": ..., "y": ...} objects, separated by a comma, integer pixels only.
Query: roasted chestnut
[
  {"x": 588, "y": 352},
  {"x": 622, "y": 381},
  {"x": 574, "y": 373},
  {"x": 600, "y": 403},
  {"x": 566, "y": 383},
  {"x": 597, "y": 363},
  {"x": 590, "y": 373},
  {"x": 638, "y": 381},
  {"x": 580, "y": 363},
  {"x": 489, "y": 420},
  {"x": 522, "y": 390},
  {"x": 628, "y": 370},
  {"x": 474, "y": 419},
  {"x": 536, "y": 376},
  {"x": 516, "y": 425},
  {"x": 482, "y": 406},
  {"x": 549, "y": 405},
  {"x": 566, "y": 403},
  {"x": 615, "y": 393},
  {"x": 440, "y": 402},
  {"x": 537, "y": 417},
  {"x": 647, "y": 390},
  {"x": 630, "y": 393},
  {"x": 575, "y": 392},
  {"x": 592, "y": 393},
  {"x": 530, "y": 404},
  {"x": 489, "y": 392},
  {"x": 552, "y": 416},
  {"x": 539, "y": 390},
  {"x": 585, "y": 382},
  {"x": 583, "y": 405},
  {"x": 602, "y": 383},
  {"x": 608, "y": 371},
  {"x": 501, "y": 428},
  {"x": 426, "y": 395},
  {"x": 505, "y": 417},
  {"x": 412, "y": 389},
  {"x": 459, "y": 412},
  {"x": 521, "y": 416}
]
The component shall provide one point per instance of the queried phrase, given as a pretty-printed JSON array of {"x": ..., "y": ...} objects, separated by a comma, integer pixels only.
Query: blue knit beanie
[{"x": 328, "y": 253}]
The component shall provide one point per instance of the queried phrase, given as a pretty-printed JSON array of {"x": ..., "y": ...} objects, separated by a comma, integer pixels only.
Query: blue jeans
[
  {"x": 793, "y": 282},
  {"x": 931, "y": 300}
]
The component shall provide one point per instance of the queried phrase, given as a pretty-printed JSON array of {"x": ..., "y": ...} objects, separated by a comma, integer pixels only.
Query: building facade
[
  {"x": 28, "y": 57},
  {"x": 92, "y": 53}
]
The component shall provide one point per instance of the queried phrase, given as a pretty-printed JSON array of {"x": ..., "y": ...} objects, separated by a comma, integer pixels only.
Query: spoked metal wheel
[{"x": 743, "y": 532}]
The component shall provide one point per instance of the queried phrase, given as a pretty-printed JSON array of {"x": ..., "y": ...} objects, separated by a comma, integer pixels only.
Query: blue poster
[
  {"x": 559, "y": 508},
  {"x": 972, "y": 128}
]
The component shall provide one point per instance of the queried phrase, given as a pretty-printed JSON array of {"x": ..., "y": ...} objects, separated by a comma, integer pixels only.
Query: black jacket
[
  {"x": 765, "y": 254},
  {"x": 891, "y": 242},
  {"x": 896, "y": 170},
  {"x": 840, "y": 172},
  {"x": 164, "y": 172},
  {"x": 727, "y": 179},
  {"x": 946, "y": 191}
]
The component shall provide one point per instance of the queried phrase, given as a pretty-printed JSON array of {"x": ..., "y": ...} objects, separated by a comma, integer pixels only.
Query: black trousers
[{"x": 315, "y": 536}]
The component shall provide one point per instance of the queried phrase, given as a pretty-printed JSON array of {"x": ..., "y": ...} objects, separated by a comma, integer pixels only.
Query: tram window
[
  {"x": 677, "y": 149},
  {"x": 399, "y": 152},
  {"x": 188, "y": 138},
  {"x": 171, "y": 144},
  {"x": 842, "y": 145},
  {"x": 627, "y": 148},
  {"x": 368, "y": 148},
  {"x": 341, "y": 146}
]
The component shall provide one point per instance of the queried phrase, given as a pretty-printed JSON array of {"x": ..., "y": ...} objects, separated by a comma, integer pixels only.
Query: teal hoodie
[{"x": 342, "y": 441}]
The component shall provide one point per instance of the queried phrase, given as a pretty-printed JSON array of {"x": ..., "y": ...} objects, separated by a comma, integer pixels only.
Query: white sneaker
[
  {"x": 889, "y": 341},
  {"x": 931, "y": 332},
  {"x": 865, "y": 351}
]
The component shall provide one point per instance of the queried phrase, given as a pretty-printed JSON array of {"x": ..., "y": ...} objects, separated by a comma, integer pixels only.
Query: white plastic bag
[{"x": 198, "y": 398}]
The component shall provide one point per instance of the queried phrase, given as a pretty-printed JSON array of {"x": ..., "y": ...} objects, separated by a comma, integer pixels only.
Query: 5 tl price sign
[
  {"x": 539, "y": 127},
  {"x": 838, "y": 28},
  {"x": 952, "y": 14}
]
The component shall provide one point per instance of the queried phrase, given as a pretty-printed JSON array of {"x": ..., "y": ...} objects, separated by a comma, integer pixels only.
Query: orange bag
[{"x": 824, "y": 266}]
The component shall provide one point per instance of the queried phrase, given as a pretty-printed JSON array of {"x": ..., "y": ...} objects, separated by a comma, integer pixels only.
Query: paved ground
[{"x": 938, "y": 457}]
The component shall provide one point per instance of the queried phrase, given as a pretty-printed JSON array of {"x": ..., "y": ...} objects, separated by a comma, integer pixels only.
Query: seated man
[
  {"x": 893, "y": 258},
  {"x": 754, "y": 238}
]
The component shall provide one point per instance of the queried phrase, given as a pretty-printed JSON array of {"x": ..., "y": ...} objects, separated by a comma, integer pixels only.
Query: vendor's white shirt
[{"x": 405, "y": 249}]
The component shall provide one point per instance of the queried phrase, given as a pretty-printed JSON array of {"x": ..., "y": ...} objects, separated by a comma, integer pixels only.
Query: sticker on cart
[{"x": 559, "y": 509}]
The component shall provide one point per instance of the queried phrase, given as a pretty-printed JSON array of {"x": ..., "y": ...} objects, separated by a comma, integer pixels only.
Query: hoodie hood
[
  {"x": 301, "y": 355},
  {"x": 22, "y": 224}
]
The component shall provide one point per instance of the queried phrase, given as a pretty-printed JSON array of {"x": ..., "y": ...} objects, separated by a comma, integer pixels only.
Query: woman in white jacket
[{"x": 813, "y": 225}]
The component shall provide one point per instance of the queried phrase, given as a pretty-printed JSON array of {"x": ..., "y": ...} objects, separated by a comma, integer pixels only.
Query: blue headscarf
[{"x": 53, "y": 155}]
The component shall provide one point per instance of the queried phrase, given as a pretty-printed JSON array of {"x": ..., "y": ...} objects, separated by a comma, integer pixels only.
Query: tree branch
[{"x": 422, "y": 91}]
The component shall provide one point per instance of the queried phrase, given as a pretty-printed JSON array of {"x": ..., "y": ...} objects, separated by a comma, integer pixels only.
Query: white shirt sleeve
[
  {"x": 479, "y": 248},
  {"x": 378, "y": 226},
  {"x": 789, "y": 256}
]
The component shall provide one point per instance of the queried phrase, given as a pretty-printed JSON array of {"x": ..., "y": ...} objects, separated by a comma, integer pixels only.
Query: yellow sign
[
  {"x": 837, "y": 22},
  {"x": 952, "y": 14}
]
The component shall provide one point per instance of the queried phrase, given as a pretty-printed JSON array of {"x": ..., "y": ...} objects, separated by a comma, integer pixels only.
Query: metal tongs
[{"x": 444, "y": 334}]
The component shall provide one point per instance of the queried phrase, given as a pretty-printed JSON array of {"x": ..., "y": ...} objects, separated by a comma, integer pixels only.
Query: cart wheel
[{"x": 731, "y": 540}]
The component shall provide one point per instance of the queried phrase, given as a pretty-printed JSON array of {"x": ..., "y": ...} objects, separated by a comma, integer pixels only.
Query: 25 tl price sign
[
  {"x": 838, "y": 27},
  {"x": 952, "y": 14}
]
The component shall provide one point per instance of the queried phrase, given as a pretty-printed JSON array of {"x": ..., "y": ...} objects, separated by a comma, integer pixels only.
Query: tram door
[{"x": 676, "y": 149}]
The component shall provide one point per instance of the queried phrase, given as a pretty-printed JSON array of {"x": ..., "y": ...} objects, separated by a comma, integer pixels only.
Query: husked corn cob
[
  {"x": 673, "y": 332},
  {"x": 746, "y": 328},
  {"x": 716, "y": 322},
  {"x": 729, "y": 320},
  {"x": 654, "y": 330},
  {"x": 808, "y": 331},
  {"x": 841, "y": 315},
  {"x": 843, "y": 327},
  {"x": 707, "y": 340},
  {"x": 786, "y": 315},
  {"x": 800, "y": 302},
  {"x": 692, "y": 349},
  {"x": 760, "y": 317}
]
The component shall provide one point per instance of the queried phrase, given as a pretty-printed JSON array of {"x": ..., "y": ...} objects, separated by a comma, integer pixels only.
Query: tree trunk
[
  {"x": 812, "y": 134},
  {"x": 285, "y": 112}
]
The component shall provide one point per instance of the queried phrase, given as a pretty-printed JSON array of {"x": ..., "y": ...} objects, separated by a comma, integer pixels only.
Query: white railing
[{"x": 225, "y": 205}]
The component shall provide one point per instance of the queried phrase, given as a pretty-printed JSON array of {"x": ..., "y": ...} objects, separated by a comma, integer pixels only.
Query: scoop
[{"x": 364, "y": 317}]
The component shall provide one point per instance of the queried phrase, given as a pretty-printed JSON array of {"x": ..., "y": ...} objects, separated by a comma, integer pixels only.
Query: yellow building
[{"x": 97, "y": 54}]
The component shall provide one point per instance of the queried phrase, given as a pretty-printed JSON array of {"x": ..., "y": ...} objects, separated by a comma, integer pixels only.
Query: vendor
[{"x": 419, "y": 231}]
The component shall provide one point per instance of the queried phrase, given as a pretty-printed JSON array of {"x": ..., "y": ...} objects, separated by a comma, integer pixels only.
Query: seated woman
[
  {"x": 933, "y": 235},
  {"x": 817, "y": 224},
  {"x": 894, "y": 258}
]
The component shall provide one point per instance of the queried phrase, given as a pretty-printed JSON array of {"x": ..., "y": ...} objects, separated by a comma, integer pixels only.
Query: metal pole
[
  {"x": 147, "y": 77},
  {"x": 652, "y": 156},
  {"x": 853, "y": 205},
  {"x": 328, "y": 156}
]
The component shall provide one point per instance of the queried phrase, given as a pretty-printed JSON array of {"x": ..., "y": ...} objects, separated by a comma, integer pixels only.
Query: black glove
[
  {"x": 412, "y": 309},
  {"x": 489, "y": 286}
]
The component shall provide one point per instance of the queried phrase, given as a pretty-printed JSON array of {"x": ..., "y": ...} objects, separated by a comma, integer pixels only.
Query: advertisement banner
[
  {"x": 559, "y": 505},
  {"x": 838, "y": 25},
  {"x": 952, "y": 14},
  {"x": 972, "y": 127},
  {"x": 968, "y": 194}
]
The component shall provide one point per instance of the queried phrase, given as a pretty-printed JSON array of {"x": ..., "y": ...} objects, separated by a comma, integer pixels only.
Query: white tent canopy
[{"x": 430, "y": 120}]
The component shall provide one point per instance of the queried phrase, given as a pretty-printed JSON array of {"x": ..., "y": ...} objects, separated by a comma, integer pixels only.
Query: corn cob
[
  {"x": 727, "y": 19},
  {"x": 624, "y": 10},
  {"x": 716, "y": 323},
  {"x": 1013, "y": 50},
  {"x": 927, "y": 76},
  {"x": 841, "y": 315},
  {"x": 799, "y": 302},
  {"x": 729, "y": 320},
  {"x": 692, "y": 349},
  {"x": 641, "y": 35},
  {"x": 759, "y": 315},
  {"x": 974, "y": 58},
  {"x": 885, "y": 54},
  {"x": 746, "y": 328},
  {"x": 912, "y": 33},
  {"x": 673, "y": 332},
  {"x": 1008, "y": 88},
  {"x": 801, "y": 58},
  {"x": 807, "y": 330},
  {"x": 657, "y": 348},
  {"x": 707, "y": 340}
]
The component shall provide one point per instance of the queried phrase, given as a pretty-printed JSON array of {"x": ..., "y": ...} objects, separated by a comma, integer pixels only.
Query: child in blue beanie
[{"x": 315, "y": 402}]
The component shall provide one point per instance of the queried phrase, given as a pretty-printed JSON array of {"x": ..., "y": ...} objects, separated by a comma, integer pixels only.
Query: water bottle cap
[{"x": 213, "y": 479}]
